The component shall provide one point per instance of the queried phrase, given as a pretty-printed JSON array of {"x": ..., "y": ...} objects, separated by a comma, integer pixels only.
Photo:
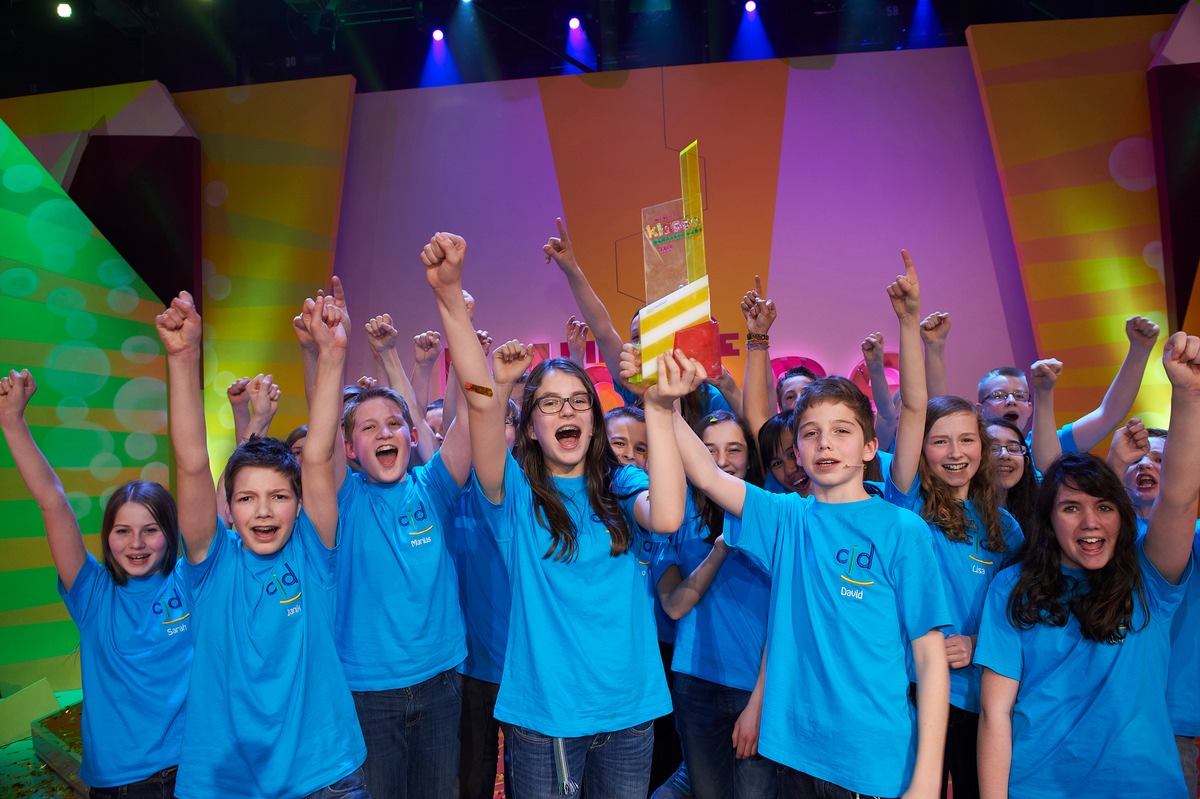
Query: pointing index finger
[
  {"x": 758, "y": 285},
  {"x": 562, "y": 228}
]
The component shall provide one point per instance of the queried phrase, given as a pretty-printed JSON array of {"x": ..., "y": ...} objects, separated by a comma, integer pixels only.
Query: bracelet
[
  {"x": 758, "y": 345},
  {"x": 763, "y": 337}
]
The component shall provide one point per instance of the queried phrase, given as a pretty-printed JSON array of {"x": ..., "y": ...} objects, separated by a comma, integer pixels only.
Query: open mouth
[
  {"x": 954, "y": 468},
  {"x": 1005, "y": 468},
  {"x": 1091, "y": 546},
  {"x": 264, "y": 532},
  {"x": 825, "y": 463},
  {"x": 387, "y": 455},
  {"x": 568, "y": 436},
  {"x": 1011, "y": 416},
  {"x": 1146, "y": 481},
  {"x": 138, "y": 558}
]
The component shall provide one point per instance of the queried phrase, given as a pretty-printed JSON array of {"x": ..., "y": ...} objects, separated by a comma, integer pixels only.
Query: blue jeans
[
  {"x": 351, "y": 786},
  {"x": 706, "y": 713},
  {"x": 160, "y": 785},
  {"x": 798, "y": 785},
  {"x": 608, "y": 765},
  {"x": 412, "y": 738}
]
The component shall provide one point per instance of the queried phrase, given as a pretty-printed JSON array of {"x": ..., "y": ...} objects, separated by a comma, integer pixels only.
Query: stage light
[
  {"x": 750, "y": 6},
  {"x": 64, "y": 10},
  {"x": 573, "y": 24},
  {"x": 438, "y": 35}
]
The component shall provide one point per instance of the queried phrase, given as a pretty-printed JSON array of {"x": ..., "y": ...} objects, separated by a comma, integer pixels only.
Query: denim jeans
[
  {"x": 706, "y": 713},
  {"x": 412, "y": 738},
  {"x": 160, "y": 785},
  {"x": 352, "y": 786},
  {"x": 608, "y": 765},
  {"x": 480, "y": 739},
  {"x": 798, "y": 785}
]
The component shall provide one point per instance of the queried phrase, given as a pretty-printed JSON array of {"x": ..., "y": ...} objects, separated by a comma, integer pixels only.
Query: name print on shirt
[{"x": 862, "y": 561}]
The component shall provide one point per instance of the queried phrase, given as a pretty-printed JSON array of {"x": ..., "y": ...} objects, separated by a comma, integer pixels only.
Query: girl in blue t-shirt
[
  {"x": 954, "y": 490},
  {"x": 582, "y": 681},
  {"x": 1075, "y": 638},
  {"x": 720, "y": 599},
  {"x": 131, "y": 612}
]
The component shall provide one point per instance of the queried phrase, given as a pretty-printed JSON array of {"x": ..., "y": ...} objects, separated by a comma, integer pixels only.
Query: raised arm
[
  {"x": 905, "y": 294},
  {"x": 999, "y": 696},
  {"x": 935, "y": 329},
  {"x": 426, "y": 348},
  {"x": 1173, "y": 519},
  {"x": 577, "y": 335},
  {"x": 239, "y": 403},
  {"x": 1092, "y": 428},
  {"x": 382, "y": 337},
  {"x": 881, "y": 393},
  {"x": 320, "y": 476},
  {"x": 62, "y": 528},
  {"x": 1043, "y": 375},
  {"x": 661, "y": 508},
  {"x": 758, "y": 384},
  {"x": 560, "y": 250},
  {"x": 1129, "y": 445},
  {"x": 180, "y": 329},
  {"x": 443, "y": 258}
]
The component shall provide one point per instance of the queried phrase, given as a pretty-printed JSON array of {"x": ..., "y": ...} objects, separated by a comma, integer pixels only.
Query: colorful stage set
[{"x": 1038, "y": 177}]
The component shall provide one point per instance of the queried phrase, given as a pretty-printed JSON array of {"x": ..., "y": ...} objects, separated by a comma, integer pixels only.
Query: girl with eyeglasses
[
  {"x": 582, "y": 680},
  {"x": 1016, "y": 479},
  {"x": 949, "y": 478}
]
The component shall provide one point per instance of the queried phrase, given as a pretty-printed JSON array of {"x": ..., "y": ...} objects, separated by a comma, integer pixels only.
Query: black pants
[
  {"x": 962, "y": 735},
  {"x": 479, "y": 740}
]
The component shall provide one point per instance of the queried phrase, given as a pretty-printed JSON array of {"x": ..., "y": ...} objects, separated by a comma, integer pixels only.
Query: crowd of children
[{"x": 833, "y": 599}]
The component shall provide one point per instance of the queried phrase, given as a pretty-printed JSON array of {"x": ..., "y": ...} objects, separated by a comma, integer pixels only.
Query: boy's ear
[
  {"x": 412, "y": 436},
  {"x": 349, "y": 450},
  {"x": 869, "y": 449},
  {"x": 979, "y": 408}
]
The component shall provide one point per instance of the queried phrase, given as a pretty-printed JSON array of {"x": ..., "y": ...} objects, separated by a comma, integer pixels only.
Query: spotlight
[
  {"x": 574, "y": 23},
  {"x": 438, "y": 35},
  {"x": 64, "y": 10},
  {"x": 750, "y": 6}
]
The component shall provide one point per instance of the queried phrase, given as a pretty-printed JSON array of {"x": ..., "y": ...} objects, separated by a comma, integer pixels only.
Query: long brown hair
[
  {"x": 1103, "y": 599},
  {"x": 712, "y": 515},
  {"x": 941, "y": 506},
  {"x": 599, "y": 465}
]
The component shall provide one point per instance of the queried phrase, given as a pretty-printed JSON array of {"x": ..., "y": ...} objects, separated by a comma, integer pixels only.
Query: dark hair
[
  {"x": 832, "y": 390},
  {"x": 795, "y": 371},
  {"x": 599, "y": 465},
  {"x": 770, "y": 436},
  {"x": 1003, "y": 371},
  {"x": 437, "y": 403},
  {"x": 161, "y": 505},
  {"x": 625, "y": 412},
  {"x": 514, "y": 411},
  {"x": 1156, "y": 432},
  {"x": 262, "y": 453},
  {"x": 1103, "y": 599},
  {"x": 1021, "y": 497},
  {"x": 297, "y": 434},
  {"x": 711, "y": 514},
  {"x": 941, "y": 506},
  {"x": 375, "y": 392}
]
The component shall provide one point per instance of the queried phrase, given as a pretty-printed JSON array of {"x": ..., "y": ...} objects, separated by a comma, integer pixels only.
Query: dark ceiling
[{"x": 201, "y": 44}]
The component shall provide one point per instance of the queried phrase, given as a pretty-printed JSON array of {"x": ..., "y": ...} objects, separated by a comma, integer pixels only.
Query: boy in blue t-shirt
[
  {"x": 851, "y": 602},
  {"x": 271, "y": 716}
]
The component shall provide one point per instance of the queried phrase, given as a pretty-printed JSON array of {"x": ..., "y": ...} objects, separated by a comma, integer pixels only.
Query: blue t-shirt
[
  {"x": 655, "y": 550},
  {"x": 582, "y": 653},
  {"x": 135, "y": 646},
  {"x": 850, "y": 591},
  {"x": 713, "y": 400},
  {"x": 1183, "y": 676},
  {"x": 399, "y": 621},
  {"x": 1090, "y": 718},
  {"x": 967, "y": 569},
  {"x": 270, "y": 716},
  {"x": 484, "y": 592},
  {"x": 721, "y": 639}
]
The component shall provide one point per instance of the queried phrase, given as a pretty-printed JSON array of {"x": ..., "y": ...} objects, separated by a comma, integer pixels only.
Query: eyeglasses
[
  {"x": 509, "y": 421},
  {"x": 551, "y": 404},
  {"x": 1000, "y": 395},
  {"x": 1011, "y": 449}
]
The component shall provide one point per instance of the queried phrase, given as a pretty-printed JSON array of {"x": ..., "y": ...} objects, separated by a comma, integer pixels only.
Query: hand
[
  {"x": 427, "y": 346},
  {"x": 381, "y": 335},
  {"x": 559, "y": 249},
  {"x": 631, "y": 367},
  {"x": 725, "y": 379},
  {"x": 905, "y": 290},
  {"x": 760, "y": 314},
  {"x": 15, "y": 390},
  {"x": 1141, "y": 331},
  {"x": 443, "y": 257},
  {"x": 1044, "y": 374},
  {"x": 263, "y": 395},
  {"x": 300, "y": 323},
  {"x": 485, "y": 341},
  {"x": 1181, "y": 360},
  {"x": 327, "y": 326},
  {"x": 510, "y": 360},
  {"x": 745, "y": 730},
  {"x": 935, "y": 328},
  {"x": 678, "y": 376},
  {"x": 239, "y": 398},
  {"x": 179, "y": 326},
  {"x": 872, "y": 350},
  {"x": 960, "y": 650},
  {"x": 577, "y": 335},
  {"x": 366, "y": 381},
  {"x": 1130, "y": 443},
  {"x": 470, "y": 303}
]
